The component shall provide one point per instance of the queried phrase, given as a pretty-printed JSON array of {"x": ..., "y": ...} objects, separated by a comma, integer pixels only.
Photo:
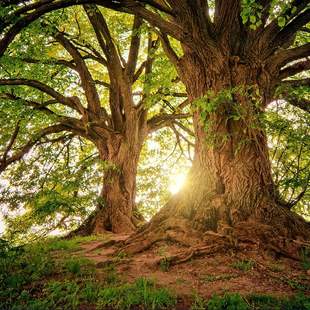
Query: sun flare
[{"x": 176, "y": 182}]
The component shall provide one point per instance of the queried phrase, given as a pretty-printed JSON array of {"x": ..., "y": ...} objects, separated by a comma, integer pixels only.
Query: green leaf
[
  {"x": 253, "y": 19},
  {"x": 281, "y": 21}
]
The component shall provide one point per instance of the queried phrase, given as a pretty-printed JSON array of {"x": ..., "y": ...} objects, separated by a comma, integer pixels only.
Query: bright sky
[{"x": 176, "y": 182}]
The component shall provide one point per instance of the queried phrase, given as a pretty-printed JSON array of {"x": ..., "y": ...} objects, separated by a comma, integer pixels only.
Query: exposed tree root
[
  {"x": 244, "y": 237},
  {"x": 98, "y": 222},
  {"x": 192, "y": 253}
]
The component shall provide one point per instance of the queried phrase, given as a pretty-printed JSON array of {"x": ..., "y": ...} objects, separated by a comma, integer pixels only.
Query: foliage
[
  {"x": 288, "y": 134},
  {"x": 63, "y": 173}
]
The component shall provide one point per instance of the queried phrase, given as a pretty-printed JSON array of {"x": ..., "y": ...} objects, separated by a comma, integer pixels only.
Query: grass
[
  {"x": 79, "y": 266},
  {"x": 305, "y": 258},
  {"x": 142, "y": 293},
  {"x": 74, "y": 244},
  {"x": 33, "y": 277},
  {"x": 164, "y": 264},
  {"x": 243, "y": 265},
  {"x": 253, "y": 302},
  {"x": 228, "y": 301},
  {"x": 198, "y": 303},
  {"x": 297, "y": 284},
  {"x": 276, "y": 267},
  {"x": 221, "y": 277},
  {"x": 26, "y": 273}
]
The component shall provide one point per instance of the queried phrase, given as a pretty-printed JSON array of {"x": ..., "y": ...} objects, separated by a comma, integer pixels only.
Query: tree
[
  {"x": 235, "y": 55},
  {"x": 117, "y": 126}
]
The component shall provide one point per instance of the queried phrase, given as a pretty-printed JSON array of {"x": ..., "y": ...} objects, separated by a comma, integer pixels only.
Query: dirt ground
[{"x": 243, "y": 272}]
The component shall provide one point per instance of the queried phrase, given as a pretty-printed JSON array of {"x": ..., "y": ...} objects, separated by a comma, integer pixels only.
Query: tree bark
[
  {"x": 116, "y": 211},
  {"x": 229, "y": 187}
]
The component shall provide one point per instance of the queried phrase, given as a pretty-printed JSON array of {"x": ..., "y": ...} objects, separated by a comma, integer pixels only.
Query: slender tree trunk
[{"x": 116, "y": 211}]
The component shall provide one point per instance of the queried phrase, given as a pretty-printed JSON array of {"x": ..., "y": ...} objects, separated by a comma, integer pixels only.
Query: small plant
[
  {"x": 276, "y": 267},
  {"x": 89, "y": 292},
  {"x": 164, "y": 264},
  {"x": 121, "y": 255},
  {"x": 73, "y": 266},
  {"x": 244, "y": 265},
  {"x": 305, "y": 258},
  {"x": 78, "y": 266},
  {"x": 162, "y": 251},
  {"x": 180, "y": 281},
  {"x": 198, "y": 303},
  {"x": 228, "y": 301},
  {"x": 263, "y": 302},
  {"x": 111, "y": 276},
  {"x": 295, "y": 284},
  {"x": 62, "y": 295}
]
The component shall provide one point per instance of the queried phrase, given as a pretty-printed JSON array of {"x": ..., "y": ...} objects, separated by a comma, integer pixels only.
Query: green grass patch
[
  {"x": 142, "y": 293},
  {"x": 74, "y": 244},
  {"x": 243, "y": 265},
  {"x": 79, "y": 266},
  {"x": 305, "y": 258},
  {"x": 253, "y": 302}
]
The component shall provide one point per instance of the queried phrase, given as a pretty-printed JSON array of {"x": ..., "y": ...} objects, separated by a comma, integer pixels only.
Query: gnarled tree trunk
[{"x": 229, "y": 190}]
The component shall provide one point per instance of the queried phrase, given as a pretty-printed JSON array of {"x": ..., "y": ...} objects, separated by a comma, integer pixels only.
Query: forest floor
[
  {"x": 192, "y": 283},
  {"x": 245, "y": 273}
]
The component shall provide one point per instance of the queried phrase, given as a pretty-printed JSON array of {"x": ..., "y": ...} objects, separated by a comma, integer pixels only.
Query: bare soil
[{"x": 245, "y": 272}]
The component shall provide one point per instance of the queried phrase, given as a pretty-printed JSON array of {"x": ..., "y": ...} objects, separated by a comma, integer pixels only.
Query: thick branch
[
  {"x": 296, "y": 83},
  {"x": 11, "y": 142},
  {"x": 5, "y": 162},
  {"x": 134, "y": 49},
  {"x": 87, "y": 81},
  {"x": 284, "y": 57},
  {"x": 171, "y": 54},
  {"x": 291, "y": 28},
  {"x": 303, "y": 104},
  {"x": 163, "y": 120},
  {"x": 285, "y": 93},
  {"x": 36, "y": 105},
  {"x": 42, "y": 87},
  {"x": 294, "y": 69}
]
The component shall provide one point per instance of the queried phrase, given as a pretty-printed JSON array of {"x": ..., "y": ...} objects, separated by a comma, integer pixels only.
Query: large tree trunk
[{"x": 229, "y": 187}]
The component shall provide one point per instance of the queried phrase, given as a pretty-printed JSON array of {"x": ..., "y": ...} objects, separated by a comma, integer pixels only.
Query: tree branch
[
  {"x": 291, "y": 28},
  {"x": 283, "y": 57},
  {"x": 36, "y": 105},
  {"x": 5, "y": 162},
  {"x": 294, "y": 69},
  {"x": 87, "y": 81},
  {"x": 296, "y": 83},
  {"x": 163, "y": 120},
  {"x": 134, "y": 49},
  {"x": 67, "y": 101}
]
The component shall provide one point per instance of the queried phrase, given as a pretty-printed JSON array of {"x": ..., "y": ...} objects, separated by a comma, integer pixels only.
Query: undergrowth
[
  {"x": 252, "y": 302},
  {"x": 51, "y": 276}
]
